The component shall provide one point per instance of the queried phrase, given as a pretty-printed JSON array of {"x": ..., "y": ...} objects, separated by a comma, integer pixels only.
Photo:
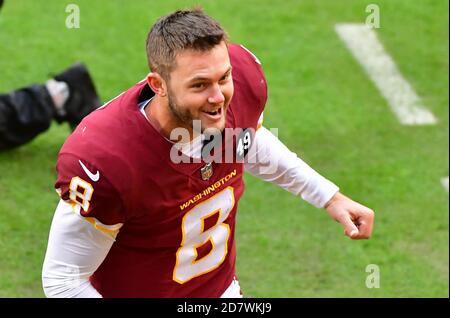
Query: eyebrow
[{"x": 200, "y": 78}]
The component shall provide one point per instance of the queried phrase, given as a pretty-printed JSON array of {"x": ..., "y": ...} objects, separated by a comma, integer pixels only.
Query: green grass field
[{"x": 320, "y": 99}]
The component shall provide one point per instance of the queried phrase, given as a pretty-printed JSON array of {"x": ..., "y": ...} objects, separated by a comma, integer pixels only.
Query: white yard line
[
  {"x": 444, "y": 182},
  {"x": 368, "y": 50}
]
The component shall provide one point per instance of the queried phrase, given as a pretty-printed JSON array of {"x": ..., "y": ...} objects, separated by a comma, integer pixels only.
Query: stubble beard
[{"x": 184, "y": 118}]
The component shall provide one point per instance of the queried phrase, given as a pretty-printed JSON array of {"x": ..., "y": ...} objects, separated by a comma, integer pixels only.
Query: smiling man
[
  {"x": 133, "y": 222},
  {"x": 199, "y": 88}
]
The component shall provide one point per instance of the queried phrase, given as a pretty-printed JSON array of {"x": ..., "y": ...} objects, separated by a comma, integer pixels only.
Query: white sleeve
[
  {"x": 270, "y": 160},
  {"x": 75, "y": 250}
]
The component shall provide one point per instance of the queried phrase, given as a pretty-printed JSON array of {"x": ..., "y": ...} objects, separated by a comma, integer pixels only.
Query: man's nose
[{"x": 217, "y": 96}]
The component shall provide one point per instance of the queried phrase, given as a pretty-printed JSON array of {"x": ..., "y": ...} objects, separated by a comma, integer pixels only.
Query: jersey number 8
[{"x": 188, "y": 265}]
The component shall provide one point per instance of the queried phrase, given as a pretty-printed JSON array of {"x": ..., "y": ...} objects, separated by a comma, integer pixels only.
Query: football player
[{"x": 134, "y": 222}]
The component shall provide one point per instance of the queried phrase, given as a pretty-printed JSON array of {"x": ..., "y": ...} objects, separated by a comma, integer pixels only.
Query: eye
[
  {"x": 225, "y": 77},
  {"x": 198, "y": 85}
]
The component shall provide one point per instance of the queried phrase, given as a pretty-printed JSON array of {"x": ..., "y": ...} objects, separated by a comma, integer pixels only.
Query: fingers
[
  {"x": 356, "y": 218},
  {"x": 364, "y": 222},
  {"x": 361, "y": 226},
  {"x": 350, "y": 228}
]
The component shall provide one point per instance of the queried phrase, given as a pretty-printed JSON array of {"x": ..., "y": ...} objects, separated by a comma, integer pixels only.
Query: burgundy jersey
[{"x": 177, "y": 238}]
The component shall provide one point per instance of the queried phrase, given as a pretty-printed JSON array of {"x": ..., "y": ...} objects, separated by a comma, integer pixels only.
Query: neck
[{"x": 159, "y": 115}]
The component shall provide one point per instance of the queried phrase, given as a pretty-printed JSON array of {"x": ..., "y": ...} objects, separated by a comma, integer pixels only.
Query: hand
[{"x": 356, "y": 218}]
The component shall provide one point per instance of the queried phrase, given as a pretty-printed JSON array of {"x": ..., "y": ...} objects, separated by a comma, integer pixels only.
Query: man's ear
[{"x": 157, "y": 84}]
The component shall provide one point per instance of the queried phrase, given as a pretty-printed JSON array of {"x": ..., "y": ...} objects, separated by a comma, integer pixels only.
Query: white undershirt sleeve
[
  {"x": 75, "y": 250},
  {"x": 270, "y": 160}
]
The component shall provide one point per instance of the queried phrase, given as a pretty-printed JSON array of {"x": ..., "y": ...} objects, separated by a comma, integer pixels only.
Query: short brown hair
[{"x": 183, "y": 29}]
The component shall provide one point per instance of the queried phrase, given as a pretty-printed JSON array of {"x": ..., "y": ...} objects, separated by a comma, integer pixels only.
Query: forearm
[
  {"x": 272, "y": 161},
  {"x": 75, "y": 251},
  {"x": 24, "y": 113}
]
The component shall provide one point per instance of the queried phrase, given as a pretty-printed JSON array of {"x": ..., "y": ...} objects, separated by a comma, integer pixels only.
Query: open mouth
[{"x": 215, "y": 114}]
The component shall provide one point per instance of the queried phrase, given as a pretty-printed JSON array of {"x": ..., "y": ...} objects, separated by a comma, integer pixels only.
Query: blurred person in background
[{"x": 28, "y": 111}]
